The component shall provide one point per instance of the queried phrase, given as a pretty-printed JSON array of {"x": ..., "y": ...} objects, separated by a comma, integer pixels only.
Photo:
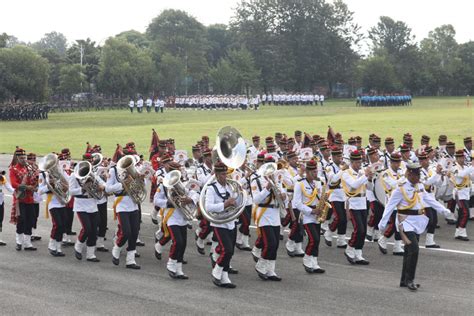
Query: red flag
[{"x": 154, "y": 143}]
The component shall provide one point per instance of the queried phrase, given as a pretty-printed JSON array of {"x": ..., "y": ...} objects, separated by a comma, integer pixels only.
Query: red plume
[
  {"x": 331, "y": 136},
  {"x": 118, "y": 153},
  {"x": 88, "y": 148}
]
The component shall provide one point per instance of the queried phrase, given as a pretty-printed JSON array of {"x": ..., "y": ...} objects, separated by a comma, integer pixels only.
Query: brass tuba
[
  {"x": 131, "y": 179},
  {"x": 88, "y": 179},
  {"x": 59, "y": 185},
  {"x": 232, "y": 151},
  {"x": 176, "y": 190}
]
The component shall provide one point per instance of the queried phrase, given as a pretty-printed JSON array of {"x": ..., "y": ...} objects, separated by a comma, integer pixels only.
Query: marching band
[{"x": 315, "y": 185}]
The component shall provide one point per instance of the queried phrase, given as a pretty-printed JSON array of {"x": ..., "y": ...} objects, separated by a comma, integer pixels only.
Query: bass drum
[{"x": 379, "y": 190}]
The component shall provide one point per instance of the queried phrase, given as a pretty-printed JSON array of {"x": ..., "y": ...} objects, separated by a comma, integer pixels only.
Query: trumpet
[{"x": 267, "y": 171}]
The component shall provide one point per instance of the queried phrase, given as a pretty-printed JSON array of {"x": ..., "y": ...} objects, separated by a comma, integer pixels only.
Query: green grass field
[{"x": 431, "y": 116}]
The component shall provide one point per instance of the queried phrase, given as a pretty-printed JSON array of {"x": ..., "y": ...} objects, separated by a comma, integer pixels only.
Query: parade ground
[
  {"x": 431, "y": 116},
  {"x": 35, "y": 283}
]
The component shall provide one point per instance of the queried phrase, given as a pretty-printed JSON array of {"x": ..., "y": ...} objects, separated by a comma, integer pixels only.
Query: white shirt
[
  {"x": 203, "y": 174},
  {"x": 300, "y": 199},
  {"x": 149, "y": 102},
  {"x": 334, "y": 173},
  {"x": 43, "y": 189},
  {"x": 161, "y": 200},
  {"x": 140, "y": 103},
  {"x": 87, "y": 205},
  {"x": 131, "y": 104},
  {"x": 6, "y": 186},
  {"x": 411, "y": 223},
  {"x": 355, "y": 181},
  {"x": 125, "y": 202},
  {"x": 215, "y": 202},
  {"x": 269, "y": 216},
  {"x": 462, "y": 174}
]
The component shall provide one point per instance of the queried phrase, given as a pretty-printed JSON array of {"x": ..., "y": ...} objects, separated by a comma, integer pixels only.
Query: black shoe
[
  {"x": 369, "y": 238},
  {"x": 185, "y": 262},
  {"x": 240, "y": 247},
  {"x": 67, "y": 243},
  {"x": 281, "y": 237},
  {"x": 398, "y": 253},
  {"x": 233, "y": 271},
  {"x": 190, "y": 226},
  {"x": 172, "y": 274},
  {"x": 351, "y": 260},
  {"x": 362, "y": 262},
  {"x": 102, "y": 249},
  {"x": 228, "y": 285},
  {"x": 133, "y": 266},
  {"x": 18, "y": 247},
  {"x": 2, "y": 243},
  {"x": 290, "y": 253},
  {"x": 59, "y": 254},
  {"x": 432, "y": 246},
  {"x": 403, "y": 284},
  {"x": 462, "y": 238},
  {"x": 383, "y": 250},
  {"x": 157, "y": 255},
  {"x": 154, "y": 221},
  {"x": 451, "y": 222},
  {"x": 438, "y": 227},
  {"x": 115, "y": 261},
  {"x": 78, "y": 255},
  {"x": 412, "y": 287},
  {"x": 254, "y": 258},
  {"x": 93, "y": 260},
  {"x": 201, "y": 250},
  {"x": 342, "y": 247},
  {"x": 328, "y": 242},
  {"x": 140, "y": 244},
  {"x": 30, "y": 248},
  {"x": 308, "y": 269},
  {"x": 299, "y": 255},
  {"x": 274, "y": 278},
  {"x": 53, "y": 252},
  {"x": 319, "y": 270},
  {"x": 71, "y": 233},
  {"x": 35, "y": 238},
  {"x": 137, "y": 255},
  {"x": 216, "y": 282},
  {"x": 262, "y": 276},
  {"x": 182, "y": 277}
]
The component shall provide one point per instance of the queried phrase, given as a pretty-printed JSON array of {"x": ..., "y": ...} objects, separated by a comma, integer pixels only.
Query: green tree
[
  {"x": 134, "y": 37},
  {"x": 223, "y": 78},
  {"x": 245, "y": 72},
  {"x": 90, "y": 58},
  {"x": 71, "y": 79},
  {"x": 171, "y": 71},
  {"x": 177, "y": 33},
  {"x": 53, "y": 40},
  {"x": 390, "y": 36},
  {"x": 377, "y": 73},
  {"x": 26, "y": 74}
]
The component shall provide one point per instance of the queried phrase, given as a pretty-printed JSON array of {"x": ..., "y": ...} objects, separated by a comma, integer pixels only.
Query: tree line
[{"x": 268, "y": 46}]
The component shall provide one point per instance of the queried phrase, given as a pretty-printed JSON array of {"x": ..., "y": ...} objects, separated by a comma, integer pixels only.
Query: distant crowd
[
  {"x": 383, "y": 100},
  {"x": 23, "y": 112}
]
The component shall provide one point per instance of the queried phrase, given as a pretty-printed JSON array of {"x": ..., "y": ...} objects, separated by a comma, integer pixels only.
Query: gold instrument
[
  {"x": 231, "y": 150},
  {"x": 88, "y": 179},
  {"x": 323, "y": 206},
  {"x": 131, "y": 179},
  {"x": 268, "y": 171},
  {"x": 282, "y": 164},
  {"x": 177, "y": 191},
  {"x": 59, "y": 186}
]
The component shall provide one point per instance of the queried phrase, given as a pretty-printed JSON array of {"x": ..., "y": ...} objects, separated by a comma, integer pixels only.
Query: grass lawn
[{"x": 430, "y": 116}]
